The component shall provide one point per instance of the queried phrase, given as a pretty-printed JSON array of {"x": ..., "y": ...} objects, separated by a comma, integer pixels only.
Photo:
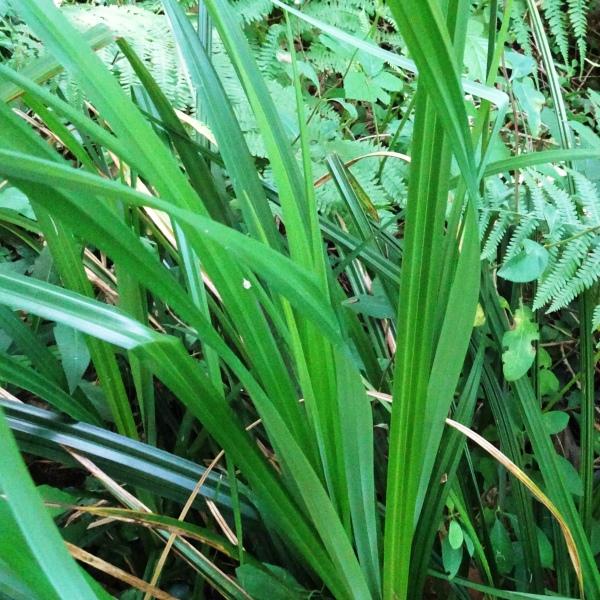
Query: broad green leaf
[
  {"x": 347, "y": 106},
  {"x": 451, "y": 557},
  {"x": 357, "y": 444},
  {"x": 373, "y": 306},
  {"x": 549, "y": 383},
  {"x": 269, "y": 583},
  {"x": 531, "y": 101},
  {"x": 74, "y": 353},
  {"x": 309, "y": 72},
  {"x": 385, "y": 80},
  {"x": 502, "y": 547},
  {"x": 556, "y": 421},
  {"x": 546, "y": 549},
  {"x": 544, "y": 358},
  {"x": 18, "y": 581},
  {"x": 469, "y": 544},
  {"x": 476, "y": 51},
  {"x": 14, "y": 199},
  {"x": 527, "y": 265},
  {"x": 519, "y": 352},
  {"x": 371, "y": 64},
  {"x": 455, "y": 534},
  {"x": 358, "y": 86},
  {"x": 519, "y": 64},
  {"x": 11, "y": 585},
  {"x": 570, "y": 476}
]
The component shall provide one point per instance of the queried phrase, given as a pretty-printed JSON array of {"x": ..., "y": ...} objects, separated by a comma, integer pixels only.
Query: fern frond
[
  {"x": 325, "y": 60},
  {"x": 253, "y": 10},
  {"x": 520, "y": 27},
  {"x": 596, "y": 318},
  {"x": 484, "y": 222},
  {"x": 522, "y": 232},
  {"x": 350, "y": 15},
  {"x": 587, "y": 193},
  {"x": 494, "y": 238},
  {"x": 268, "y": 55},
  {"x": 567, "y": 208},
  {"x": 564, "y": 269},
  {"x": 145, "y": 32},
  {"x": 586, "y": 276},
  {"x": 393, "y": 180},
  {"x": 495, "y": 200},
  {"x": 557, "y": 23},
  {"x": 536, "y": 195},
  {"x": 577, "y": 11}
]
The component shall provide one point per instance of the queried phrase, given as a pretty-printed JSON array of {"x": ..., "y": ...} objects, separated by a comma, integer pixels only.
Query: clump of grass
[{"x": 321, "y": 359}]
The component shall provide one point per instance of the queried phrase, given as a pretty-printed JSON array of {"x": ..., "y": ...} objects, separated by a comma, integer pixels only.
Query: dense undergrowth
[{"x": 281, "y": 318}]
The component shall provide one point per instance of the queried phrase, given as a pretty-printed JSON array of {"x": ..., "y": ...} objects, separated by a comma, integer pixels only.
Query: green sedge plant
[{"x": 235, "y": 317}]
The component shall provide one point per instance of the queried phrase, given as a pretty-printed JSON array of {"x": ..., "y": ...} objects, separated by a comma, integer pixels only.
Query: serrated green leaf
[
  {"x": 360, "y": 87},
  {"x": 372, "y": 65},
  {"x": 389, "y": 82}
]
